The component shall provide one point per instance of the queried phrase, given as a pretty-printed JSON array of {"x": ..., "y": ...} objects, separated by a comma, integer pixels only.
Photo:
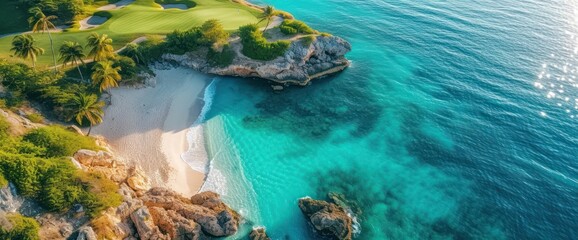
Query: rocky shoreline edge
[
  {"x": 301, "y": 63},
  {"x": 158, "y": 213}
]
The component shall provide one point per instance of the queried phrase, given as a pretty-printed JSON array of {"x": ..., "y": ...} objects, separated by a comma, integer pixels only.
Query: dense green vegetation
[
  {"x": 222, "y": 58},
  {"x": 19, "y": 227},
  {"x": 36, "y": 165},
  {"x": 13, "y": 16},
  {"x": 291, "y": 27},
  {"x": 257, "y": 47},
  {"x": 54, "y": 91},
  {"x": 58, "y": 142}
]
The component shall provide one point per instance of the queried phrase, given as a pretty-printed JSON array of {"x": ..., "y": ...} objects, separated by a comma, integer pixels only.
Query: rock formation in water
[
  {"x": 300, "y": 64},
  {"x": 259, "y": 234},
  {"x": 327, "y": 218}
]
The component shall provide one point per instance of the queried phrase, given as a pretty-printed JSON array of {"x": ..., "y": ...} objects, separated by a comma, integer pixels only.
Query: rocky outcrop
[
  {"x": 300, "y": 64},
  {"x": 145, "y": 225},
  {"x": 259, "y": 234},
  {"x": 86, "y": 233},
  {"x": 206, "y": 209},
  {"x": 145, "y": 213},
  {"x": 327, "y": 218}
]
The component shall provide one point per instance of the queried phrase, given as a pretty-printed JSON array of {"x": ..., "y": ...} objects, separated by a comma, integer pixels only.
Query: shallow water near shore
[{"x": 456, "y": 120}]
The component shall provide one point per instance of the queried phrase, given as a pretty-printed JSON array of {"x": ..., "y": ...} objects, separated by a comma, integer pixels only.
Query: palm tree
[
  {"x": 42, "y": 23},
  {"x": 86, "y": 107},
  {"x": 267, "y": 14},
  {"x": 105, "y": 75},
  {"x": 101, "y": 47},
  {"x": 24, "y": 46},
  {"x": 72, "y": 52},
  {"x": 132, "y": 50}
]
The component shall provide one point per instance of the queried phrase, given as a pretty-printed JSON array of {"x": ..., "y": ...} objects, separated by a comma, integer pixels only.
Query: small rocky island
[{"x": 327, "y": 218}]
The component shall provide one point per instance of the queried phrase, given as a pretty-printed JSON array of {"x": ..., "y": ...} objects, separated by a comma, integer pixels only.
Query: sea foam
[{"x": 196, "y": 156}]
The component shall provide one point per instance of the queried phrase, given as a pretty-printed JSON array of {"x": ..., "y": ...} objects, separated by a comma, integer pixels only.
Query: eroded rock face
[
  {"x": 327, "y": 218},
  {"x": 103, "y": 162},
  {"x": 300, "y": 63},
  {"x": 206, "y": 209},
  {"x": 145, "y": 225},
  {"x": 86, "y": 233}
]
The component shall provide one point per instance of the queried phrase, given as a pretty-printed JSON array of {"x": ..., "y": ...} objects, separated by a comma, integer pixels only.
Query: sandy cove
[{"x": 148, "y": 126}]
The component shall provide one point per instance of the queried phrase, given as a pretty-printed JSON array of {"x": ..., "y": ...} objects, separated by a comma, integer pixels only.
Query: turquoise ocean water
[{"x": 456, "y": 120}]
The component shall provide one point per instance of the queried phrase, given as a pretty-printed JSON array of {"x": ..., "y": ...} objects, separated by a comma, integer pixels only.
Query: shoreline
[{"x": 155, "y": 122}]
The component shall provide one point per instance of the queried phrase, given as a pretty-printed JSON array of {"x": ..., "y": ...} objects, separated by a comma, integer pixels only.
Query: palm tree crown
[
  {"x": 101, "y": 46},
  {"x": 72, "y": 52},
  {"x": 24, "y": 46},
  {"x": 86, "y": 107},
  {"x": 268, "y": 14},
  {"x": 105, "y": 75},
  {"x": 42, "y": 23}
]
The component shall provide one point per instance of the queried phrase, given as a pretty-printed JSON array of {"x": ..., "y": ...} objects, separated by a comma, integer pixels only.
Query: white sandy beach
[{"x": 148, "y": 127}]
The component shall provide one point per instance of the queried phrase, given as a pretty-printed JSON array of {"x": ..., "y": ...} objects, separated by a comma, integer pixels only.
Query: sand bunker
[
  {"x": 175, "y": 6},
  {"x": 91, "y": 22}
]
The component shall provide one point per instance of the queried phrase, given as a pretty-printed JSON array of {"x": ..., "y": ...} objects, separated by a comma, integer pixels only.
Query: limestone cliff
[{"x": 301, "y": 63}]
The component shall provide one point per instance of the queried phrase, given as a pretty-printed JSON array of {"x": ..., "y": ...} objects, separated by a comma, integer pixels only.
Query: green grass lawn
[{"x": 144, "y": 17}]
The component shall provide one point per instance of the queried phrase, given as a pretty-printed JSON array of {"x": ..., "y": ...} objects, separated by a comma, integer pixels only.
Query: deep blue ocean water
[{"x": 456, "y": 120}]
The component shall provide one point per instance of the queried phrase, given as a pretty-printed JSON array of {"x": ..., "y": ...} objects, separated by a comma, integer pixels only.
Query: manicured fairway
[{"x": 145, "y": 17}]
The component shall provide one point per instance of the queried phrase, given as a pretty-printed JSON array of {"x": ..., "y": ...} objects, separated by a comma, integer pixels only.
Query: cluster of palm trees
[{"x": 104, "y": 75}]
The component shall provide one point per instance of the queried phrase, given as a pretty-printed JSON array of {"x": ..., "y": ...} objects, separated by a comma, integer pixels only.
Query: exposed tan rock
[
  {"x": 327, "y": 218},
  {"x": 259, "y": 234},
  {"x": 215, "y": 218},
  {"x": 103, "y": 162},
  {"x": 138, "y": 181},
  {"x": 86, "y": 233},
  {"x": 145, "y": 225},
  {"x": 175, "y": 225}
]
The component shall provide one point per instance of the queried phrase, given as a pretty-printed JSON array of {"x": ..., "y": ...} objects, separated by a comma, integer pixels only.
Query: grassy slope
[
  {"x": 13, "y": 17},
  {"x": 145, "y": 17}
]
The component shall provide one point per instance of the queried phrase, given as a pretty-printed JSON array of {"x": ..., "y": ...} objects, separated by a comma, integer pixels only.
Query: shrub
[
  {"x": 221, "y": 59},
  {"x": 35, "y": 118},
  {"x": 180, "y": 42},
  {"x": 20, "y": 228},
  {"x": 57, "y": 185},
  {"x": 100, "y": 193},
  {"x": 128, "y": 68},
  {"x": 4, "y": 128},
  {"x": 213, "y": 33},
  {"x": 152, "y": 50},
  {"x": 306, "y": 41},
  {"x": 256, "y": 46},
  {"x": 59, "y": 142},
  {"x": 3, "y": 181},
  {"x": 290, "y": 27}
]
